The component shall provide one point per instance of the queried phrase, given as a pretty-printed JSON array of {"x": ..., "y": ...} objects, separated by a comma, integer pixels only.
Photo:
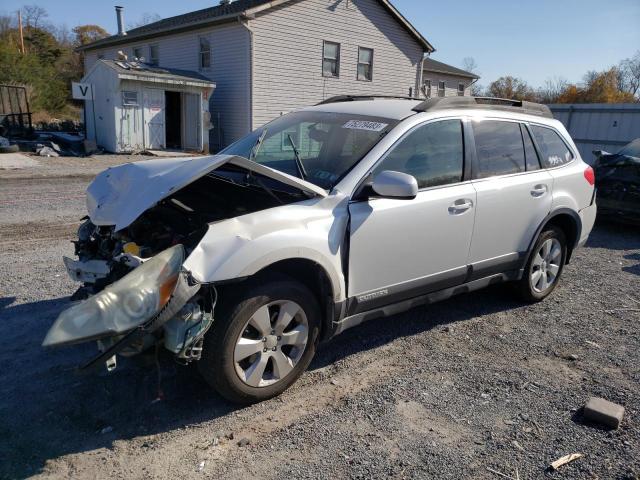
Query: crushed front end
[{"x": 157, "y": 302}]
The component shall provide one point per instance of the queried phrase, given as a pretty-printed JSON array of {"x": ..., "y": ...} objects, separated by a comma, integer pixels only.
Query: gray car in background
[{"x": 329, "y": 216}]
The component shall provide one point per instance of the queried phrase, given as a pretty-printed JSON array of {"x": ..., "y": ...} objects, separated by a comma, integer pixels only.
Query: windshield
[{"x": 319, "y": 147}]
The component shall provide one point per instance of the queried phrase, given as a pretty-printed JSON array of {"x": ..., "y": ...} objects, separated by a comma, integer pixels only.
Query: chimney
[{"x": 121, "y": 30}]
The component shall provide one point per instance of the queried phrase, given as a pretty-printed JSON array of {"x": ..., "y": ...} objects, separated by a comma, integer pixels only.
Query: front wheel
[
  {"x": 543, "y": 270},
  {"x": 261, "y": 341}
]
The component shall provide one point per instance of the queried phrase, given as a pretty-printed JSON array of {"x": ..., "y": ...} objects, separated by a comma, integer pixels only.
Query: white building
[
  {"x": 139, "y": 107},
  {"x": 267, "y": 57},
  {"x": 442, "y": 80}
]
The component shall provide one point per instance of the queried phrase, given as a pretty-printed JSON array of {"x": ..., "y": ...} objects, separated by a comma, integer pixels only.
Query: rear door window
[
  {"x": 552, "y": 148},
  {"x": 499, "y": 148}
]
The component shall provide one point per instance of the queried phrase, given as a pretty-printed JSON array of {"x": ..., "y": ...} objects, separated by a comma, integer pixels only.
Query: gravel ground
[{"x": 452, "y": 390}]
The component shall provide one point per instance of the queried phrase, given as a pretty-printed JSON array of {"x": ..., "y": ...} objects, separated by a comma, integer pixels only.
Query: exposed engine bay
[
  {"x": 135, "y": 293},
  {"x": 182, "y": 218}
]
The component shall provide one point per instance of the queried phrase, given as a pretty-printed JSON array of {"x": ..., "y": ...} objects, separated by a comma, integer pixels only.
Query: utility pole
[{"x": 20, "y": 29}]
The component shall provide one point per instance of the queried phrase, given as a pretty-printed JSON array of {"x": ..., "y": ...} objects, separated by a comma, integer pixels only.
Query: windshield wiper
[
  {"x": 296, "y": 154},
  {"x": 258, "y": 145}
]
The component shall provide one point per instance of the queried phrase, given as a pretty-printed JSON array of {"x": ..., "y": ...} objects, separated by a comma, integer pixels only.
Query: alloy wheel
[
  {"x": 546, "y": 265},
  {"x": 271, "y": 343}
]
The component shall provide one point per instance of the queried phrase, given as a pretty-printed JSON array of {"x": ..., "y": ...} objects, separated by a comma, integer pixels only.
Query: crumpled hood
[{"x": 119, "y": 195}]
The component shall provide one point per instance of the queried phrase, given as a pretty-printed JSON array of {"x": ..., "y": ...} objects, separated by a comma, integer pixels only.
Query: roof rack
[
  {"x": 519, "y": 106},
  {"x": 357, "y": 98}
]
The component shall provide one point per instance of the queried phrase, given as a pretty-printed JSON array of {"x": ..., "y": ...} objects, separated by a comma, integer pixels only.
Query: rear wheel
[
  {"x": 544, "y": 267},
  {"x": 261, "y": 341}
]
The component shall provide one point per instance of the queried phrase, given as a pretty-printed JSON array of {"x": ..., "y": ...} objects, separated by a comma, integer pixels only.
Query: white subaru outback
[{"x": 353, "y": 209}]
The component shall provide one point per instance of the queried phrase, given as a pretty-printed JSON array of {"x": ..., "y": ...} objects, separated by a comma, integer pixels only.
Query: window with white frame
[
  {"x": 205, "y": 53},
  {"x": 331, "y": 59},
  {"x": 137, "y": 53},
  {"x": 427, "y": 88},
  {"x": 154, "y": 55},
  {"x": 461, "y": 89},
  {"x": 365, "y": 64},
  {"x": 441, "y": 88}
]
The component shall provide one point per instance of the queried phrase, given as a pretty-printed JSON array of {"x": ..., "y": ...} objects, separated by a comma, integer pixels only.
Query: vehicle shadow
[
  {"x": 47, "y": 410},
  {"x": 613, "y": 235}
]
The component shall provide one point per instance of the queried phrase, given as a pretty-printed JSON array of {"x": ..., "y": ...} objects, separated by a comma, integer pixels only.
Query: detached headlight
[{"x": 123, "y": 305}]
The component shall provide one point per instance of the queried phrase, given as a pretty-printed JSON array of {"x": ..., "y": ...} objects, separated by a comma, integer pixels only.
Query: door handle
[
  {"x": 460, "y": 206},
  {"x": 539, "y": 190}
]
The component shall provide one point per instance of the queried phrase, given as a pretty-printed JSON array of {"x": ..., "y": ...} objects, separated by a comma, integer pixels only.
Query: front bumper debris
[{"x": 87, "y": 272}]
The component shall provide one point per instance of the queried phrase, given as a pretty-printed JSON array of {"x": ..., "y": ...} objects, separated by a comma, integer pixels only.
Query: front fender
[{"x": 242, "y": 246}]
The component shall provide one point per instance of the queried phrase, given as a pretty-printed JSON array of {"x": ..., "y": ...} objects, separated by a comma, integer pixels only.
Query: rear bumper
[{"x": 588, "y": 218}]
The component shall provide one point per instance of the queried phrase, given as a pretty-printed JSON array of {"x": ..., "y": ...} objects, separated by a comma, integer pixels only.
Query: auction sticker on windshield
[{"x": 364, "y": 125}]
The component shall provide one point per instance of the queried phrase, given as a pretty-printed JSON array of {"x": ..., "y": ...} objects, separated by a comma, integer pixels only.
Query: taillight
[{"x": 590, "y": 175}]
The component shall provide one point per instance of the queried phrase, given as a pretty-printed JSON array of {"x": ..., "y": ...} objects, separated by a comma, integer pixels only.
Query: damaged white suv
[{"x": 324, "y": 218}]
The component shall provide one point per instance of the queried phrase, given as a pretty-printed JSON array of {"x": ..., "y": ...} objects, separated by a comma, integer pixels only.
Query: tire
[
  {"x": 241, "y": 322},
  {"x": 543, "y": 270}
]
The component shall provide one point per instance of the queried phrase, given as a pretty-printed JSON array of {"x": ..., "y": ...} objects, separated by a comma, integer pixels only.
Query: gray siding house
[
  {"x": 270, "y": 57},
  {"x": 442, "y": 80}
]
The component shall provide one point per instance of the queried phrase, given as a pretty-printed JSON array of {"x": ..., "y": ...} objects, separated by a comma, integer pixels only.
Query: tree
[
  {"x": 600, "y": 87},
  {"x": 85, "y": 34},
  {"x": 511, "y": 88},
  {"x": 552, "y": 90},
  {"x": 477, "y": 90},
  {"x": 33, "y": 15},
  {"x": 469, "y": 64},
  {"x": 146, "y": 19},
  {"x": 629, "y": 75},
  {"x": 42, "y": 43}
]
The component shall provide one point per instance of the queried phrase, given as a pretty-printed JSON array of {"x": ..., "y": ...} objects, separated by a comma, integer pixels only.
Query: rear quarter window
[{"x": 553, "y": 151}]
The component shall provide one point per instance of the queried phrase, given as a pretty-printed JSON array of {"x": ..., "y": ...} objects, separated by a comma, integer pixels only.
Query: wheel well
[
  {"x": 315, "y": 278},
  {"x": 569, "y": 226}
]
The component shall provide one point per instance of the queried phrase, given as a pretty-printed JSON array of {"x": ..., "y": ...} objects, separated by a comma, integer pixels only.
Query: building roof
[
  {"x": 431, "y": 65},
  {"x": 223, "y": 13},
  {"x": 128, "y": 70}
]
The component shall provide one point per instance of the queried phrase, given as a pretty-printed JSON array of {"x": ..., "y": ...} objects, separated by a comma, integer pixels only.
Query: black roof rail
[
  {"x": 504, "y": 104},
  {"x": 357, "y": 98}
]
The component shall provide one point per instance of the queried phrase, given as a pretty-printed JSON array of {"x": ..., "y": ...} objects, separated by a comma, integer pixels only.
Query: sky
[{"x": 535, "y": 40}]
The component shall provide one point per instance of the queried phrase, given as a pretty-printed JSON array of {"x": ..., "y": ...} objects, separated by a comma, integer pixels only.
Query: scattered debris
[
  {"x": 244, "y": 442},
  {"x": 201, "y": 466},
  {"x": 517, "y": 445},
  {"x": 47, "y": 152},
  {"x": 503, "y": 475},
  {"x": 593, "y": 344},
  {"x": 564, "y": 460},
  {"x": 106, "y": 430},
  {"x": 334, "y": 382},
  {"x": 599, "y": 410}
]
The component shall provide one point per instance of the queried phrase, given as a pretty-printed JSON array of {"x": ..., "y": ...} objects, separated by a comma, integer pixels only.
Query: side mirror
[{"x": 390, "y": 184}]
